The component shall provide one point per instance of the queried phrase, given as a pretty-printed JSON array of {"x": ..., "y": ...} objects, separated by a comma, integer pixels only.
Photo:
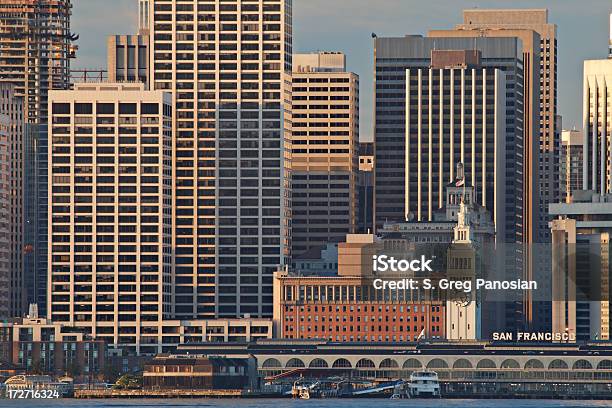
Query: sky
[{"x": 347, "y": 26}]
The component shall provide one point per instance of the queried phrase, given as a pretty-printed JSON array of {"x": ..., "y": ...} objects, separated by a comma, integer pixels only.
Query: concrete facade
[
  {"x": 325, "y": 152},
  {"x": 13, "y": 134},
  {"x": 394, "y": 56},
  {"x": 110, "y": 259},
  {"x": 545, "y": 133},
  {"x": 597, "y": 121},
  {"x": 128, "y": 58},
  {"x": 571, "y": 165},
  {"x": 228, "y": 66},
  {"x": 581, "y": 290}
]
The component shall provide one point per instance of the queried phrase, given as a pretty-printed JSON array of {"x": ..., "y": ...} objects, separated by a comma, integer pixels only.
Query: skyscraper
[
  {"x": 581, "y": 266},
  {"x": 110, "y": 209},
  {"x": 325, "y": 150},
  {"x": 597, "y": 147},
  {"x": 570, "y": 168},
  {"x": 38, "y": 60},
  {"x": 528, "y": 185},
  {"x": 13, "y": 134},
  {"x": 228, "y": 65},
  {"x": 455, "y": 113},
  {"x": 407, "y": 140},
  {"x": 545, "y": 130}
]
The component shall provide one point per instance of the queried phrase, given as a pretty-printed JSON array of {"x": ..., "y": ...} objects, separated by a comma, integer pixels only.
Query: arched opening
[
  {"x": 558, "y": 365},
  {"x": 295, "y": 363},
  {"x": 412, "y": 363},
  {"x": 462, "y": 363},
  {"x": 318, "y": 363},
  {"x": 485, "y": 363},
  {"x": 342, "y": 363},
  {"x": 271, "y": 363},
  {"x": 605, "y": 365},
  {"x": 534, "y": 364},
  {"x": 437, "y": 363},
  {"x": 388, "y": 363},
  {"x": 582, "y": 365},
  {"x": 365, "y": 363},
  {"x": 510, "y": 364}
]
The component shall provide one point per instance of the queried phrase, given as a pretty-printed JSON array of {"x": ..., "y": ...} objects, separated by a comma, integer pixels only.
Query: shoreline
[{"x": 239, "y": 394}]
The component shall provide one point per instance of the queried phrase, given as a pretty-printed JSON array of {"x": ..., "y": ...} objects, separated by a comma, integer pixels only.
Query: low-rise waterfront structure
[
  {"x": 200, "y": 372},
  {"x": 464, "y": 368}
]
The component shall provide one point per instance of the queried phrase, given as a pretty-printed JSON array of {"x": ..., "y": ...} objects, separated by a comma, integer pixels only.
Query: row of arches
[{"x": 437, "y": 363}]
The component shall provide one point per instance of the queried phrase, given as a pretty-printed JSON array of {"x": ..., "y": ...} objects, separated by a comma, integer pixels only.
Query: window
[
  {"x": 127, "y": 108},
  {"x": 61, "y": 108},
  {"x": 83, "y": 108},
  {"x": 105, "y": 108},
  {"x": 149, "y": 108}
]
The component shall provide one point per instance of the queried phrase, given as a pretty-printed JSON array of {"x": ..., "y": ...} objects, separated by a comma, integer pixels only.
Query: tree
[
  {"x": 111, "y": 372},
  {"x": 129, "y": 382}
]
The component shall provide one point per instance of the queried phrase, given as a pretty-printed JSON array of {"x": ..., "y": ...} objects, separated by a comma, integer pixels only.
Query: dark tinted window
[
  {"x": 61, "y": 108},
  {"x": 83, "y": 108},
  {"x": 149, "y": 109},
  {"x": 127, "y": 108},
  {"x": 105, "y": 108}
]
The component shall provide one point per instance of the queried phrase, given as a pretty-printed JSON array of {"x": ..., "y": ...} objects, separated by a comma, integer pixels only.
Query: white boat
[{"x": 424, "y": 384}]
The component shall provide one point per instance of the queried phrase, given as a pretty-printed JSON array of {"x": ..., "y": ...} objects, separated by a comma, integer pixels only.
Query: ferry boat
[{"x": 424, "y": 384}]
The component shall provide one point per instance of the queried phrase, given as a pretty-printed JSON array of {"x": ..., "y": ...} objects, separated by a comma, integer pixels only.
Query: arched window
[
  {"x": 388, "y": 363},
  {"x": 462, "y": 363},
  {"x": 437, "y": 363},
  {"x": 582, "y": 365},
  {"x": 486, "y": 363},
  {"x": 342, "y": 363},
  {"x": 318, "y": 363},
  {"x": 365, "y": 363},
  {"x": 271, "y": 363},
  {"x": 533, "y": 363},
  {"x": 412, "y": 363},
  {"x": 605, "y": 365},
  {"x": 558, "y": 365},
  {"x": 510, "y": 363},
  {"x": 295, "y": 363}
]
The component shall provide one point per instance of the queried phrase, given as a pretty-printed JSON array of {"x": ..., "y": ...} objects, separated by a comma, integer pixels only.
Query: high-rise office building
[
  {"x": 5, "y": 254},
  {"x": 581, "y": 246},
  {"x": 545, "y": 132},
  {"x": 570, "y": 167},
  {"x": 409, "y": 144},
  {"x": 455, "y": 113},
  {"x": 13, "y": 134},
  {"x": 110, "y": 180},
  {"x": 325, "y": 150},
  {"x": 36, "y": 60},
  {"x": 528, "y": 188},
  {"x": 597, "y": 116},
  {"x": 228, "y": 65}
]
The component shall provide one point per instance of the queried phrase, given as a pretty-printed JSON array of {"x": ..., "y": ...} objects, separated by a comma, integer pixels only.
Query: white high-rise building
[
  {"x": 597, "y": 125},
  {"x": 228, "y": 65},
  {"x": 110, "y": 210}
]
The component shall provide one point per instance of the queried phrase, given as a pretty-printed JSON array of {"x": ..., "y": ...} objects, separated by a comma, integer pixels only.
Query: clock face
[{"x": 463, "y": 299}]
